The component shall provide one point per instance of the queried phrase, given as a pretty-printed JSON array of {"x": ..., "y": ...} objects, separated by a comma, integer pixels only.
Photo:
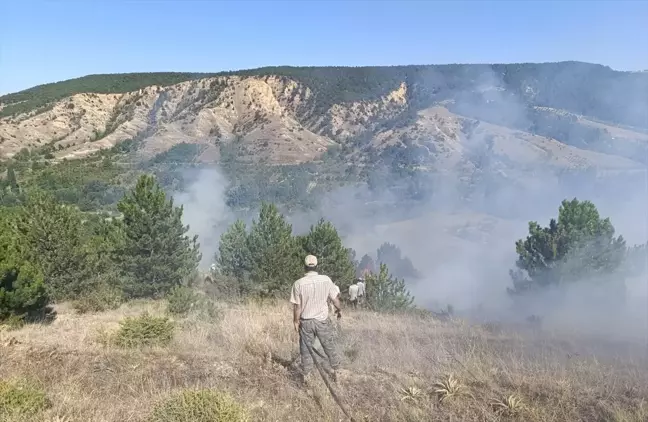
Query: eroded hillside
[{"x": 276, "y": 118}]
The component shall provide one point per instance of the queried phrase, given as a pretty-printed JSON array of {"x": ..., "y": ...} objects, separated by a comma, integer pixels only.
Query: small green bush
[
  {"x": 225, "y": 288},
  {"x": 21, "y": 398},
  {"x": 144, "y": 330},
  {"x": 199, "y": 406},
  {"x": 13, "y": 322},
  {"x": 22, "y": 291},
  {"x": 99, "y": 299},
  {"x": 209, "y": 310},
  {"x": 181, "y": 300}
]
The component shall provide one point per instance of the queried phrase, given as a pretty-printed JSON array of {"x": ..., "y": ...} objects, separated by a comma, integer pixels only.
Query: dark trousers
[{"x": 325, "y": 332}]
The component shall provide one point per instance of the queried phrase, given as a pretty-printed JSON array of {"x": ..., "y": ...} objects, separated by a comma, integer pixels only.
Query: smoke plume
[
  {"x": 205, "y": 209},
  {"x": 463, "y": 243}
]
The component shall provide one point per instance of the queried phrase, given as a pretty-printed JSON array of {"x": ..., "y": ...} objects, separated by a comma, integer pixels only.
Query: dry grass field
[{"x": 400, "y": 368}]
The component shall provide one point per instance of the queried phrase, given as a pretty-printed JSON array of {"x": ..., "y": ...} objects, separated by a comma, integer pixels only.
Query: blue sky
[{"x": 47, "y": 41}]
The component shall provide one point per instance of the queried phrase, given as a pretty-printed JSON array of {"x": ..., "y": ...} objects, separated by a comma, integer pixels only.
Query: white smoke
[
  {"x": 464, "y": 249},
  {"x": 206, "y": 211}
]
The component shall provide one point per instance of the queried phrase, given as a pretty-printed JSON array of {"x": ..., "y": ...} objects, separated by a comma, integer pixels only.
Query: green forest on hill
[
  {"x": 581, "y": 88},
  {"x": 95, "y": 183}
]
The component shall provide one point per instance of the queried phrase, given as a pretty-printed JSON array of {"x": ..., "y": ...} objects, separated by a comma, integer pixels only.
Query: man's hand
[
  {"x": 296, "y": 325},
  {"x": 338, "y": 313}
]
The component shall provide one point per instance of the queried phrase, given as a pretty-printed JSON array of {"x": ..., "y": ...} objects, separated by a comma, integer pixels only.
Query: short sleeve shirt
[
  {"x": 353, "y": 291},
  {"x": 361, "y": 288},
  {"x": 311, "y": 293}
]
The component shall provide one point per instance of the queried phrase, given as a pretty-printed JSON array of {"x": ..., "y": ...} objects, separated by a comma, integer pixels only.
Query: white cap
[{"x": 310, "y": 261}]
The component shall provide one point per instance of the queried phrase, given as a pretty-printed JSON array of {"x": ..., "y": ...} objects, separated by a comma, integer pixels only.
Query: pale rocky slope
[{"x": 275, "y": 119}]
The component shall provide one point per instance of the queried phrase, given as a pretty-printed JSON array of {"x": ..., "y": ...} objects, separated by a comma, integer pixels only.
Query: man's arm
[
  {"x": 296, "y": 316},
  {"x": 336, "y": 303},
  {"x": 334, "y": 295},
  {"x": 295, "y": 299}
]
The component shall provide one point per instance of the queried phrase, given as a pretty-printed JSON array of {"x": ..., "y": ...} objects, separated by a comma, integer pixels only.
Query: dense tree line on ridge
[{"x": 580, "y": 88}]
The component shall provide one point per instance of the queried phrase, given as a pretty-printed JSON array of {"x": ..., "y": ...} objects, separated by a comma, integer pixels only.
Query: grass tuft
[
  {"x": 199, "y": 406},
  {"x": 509, "y": 405},
  {"x": 21, "y": 398},
  {"x": 447, "y": 388},
  {"x": 143, "y": 331}
]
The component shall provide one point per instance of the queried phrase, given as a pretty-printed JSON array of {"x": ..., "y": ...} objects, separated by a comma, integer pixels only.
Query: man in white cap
[{"x": 309, "y": 296}]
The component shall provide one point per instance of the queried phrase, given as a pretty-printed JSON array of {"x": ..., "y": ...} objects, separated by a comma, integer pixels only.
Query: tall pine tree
[
  {"x": 386, "y": 293},
  {"x": 276, "y": 258},
  {"x": 156, "y": 254},
  {"x": 399, "y": 265},
  {"x": 333, "y": 258},
  {"x": 52, "y": 237},
  {"x": 233, "y": 256},
  {"x": 365, "y": 266}
]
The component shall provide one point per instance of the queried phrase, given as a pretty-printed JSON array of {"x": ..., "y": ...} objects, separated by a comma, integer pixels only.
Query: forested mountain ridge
[
  {"x": 352, "y": 123},
  {"x": 293, "y": 114}
]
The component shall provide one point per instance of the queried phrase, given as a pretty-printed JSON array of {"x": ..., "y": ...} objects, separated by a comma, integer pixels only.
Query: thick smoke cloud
[
  {"x": 205, "y": 209},
  {"x": 464, "y": 244}
]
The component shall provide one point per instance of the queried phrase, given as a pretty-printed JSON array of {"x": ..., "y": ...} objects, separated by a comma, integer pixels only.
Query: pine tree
[
  {"x": 103, "y": 238},
  {"x": 580, "y": 245},
  {"x": 333, "y": 258},
  {"x": 156, "y": 254},
  {"x": 366, "y": 265},
  {"x": 352, "y": 258},
  {"x": 51, "y": 236},
  {"x": 635, "y": 263},
  {"x": 233, "y": 256},
  {"x": 276, "y": 259},
  {"x": 386, "y": 293},
  {"x": 22, "y": 290},
  {"x": 400, "y": 266}
]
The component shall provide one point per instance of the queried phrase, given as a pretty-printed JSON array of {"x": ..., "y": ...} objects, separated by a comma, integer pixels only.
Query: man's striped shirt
[{"x": 311, "y": 293}]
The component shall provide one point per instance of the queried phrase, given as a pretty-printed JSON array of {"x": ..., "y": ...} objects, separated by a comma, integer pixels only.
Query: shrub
[
  {"x": 21, "y": 398},
  {"x": 199, "y": 406},
  {"x": 207, "y": 309},
  {"x": 13, "y": 322},
  {"x": 144, "y": 330},
  {"x": 101, "y": 298},
  {"x": 22, "y": 291},
  {"x": 181, "y": 300},
  {"x": 225, "y": 288}
]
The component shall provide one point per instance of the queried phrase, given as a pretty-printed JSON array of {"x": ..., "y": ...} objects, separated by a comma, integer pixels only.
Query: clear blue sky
[{"x": 48, "y": 41}]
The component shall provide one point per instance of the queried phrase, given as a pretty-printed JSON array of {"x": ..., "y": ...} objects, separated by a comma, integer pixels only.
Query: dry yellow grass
[{"x": 401, "y": 368}]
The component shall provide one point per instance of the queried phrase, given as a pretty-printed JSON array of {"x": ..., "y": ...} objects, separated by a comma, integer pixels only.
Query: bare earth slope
[{"x": 278, "y": 119}]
